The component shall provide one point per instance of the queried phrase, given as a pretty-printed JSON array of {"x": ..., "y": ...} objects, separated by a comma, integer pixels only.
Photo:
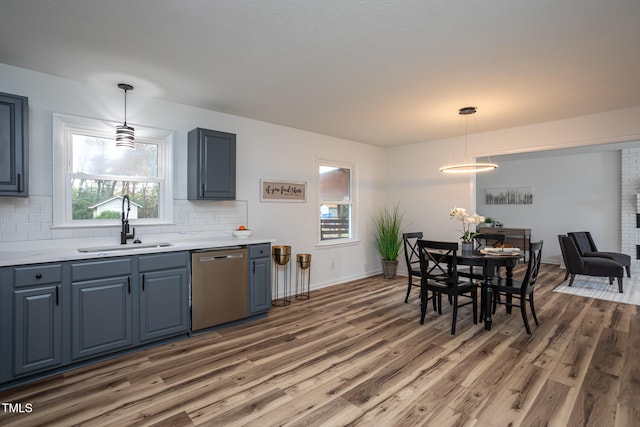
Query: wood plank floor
[{"x": 355, "y": 354}]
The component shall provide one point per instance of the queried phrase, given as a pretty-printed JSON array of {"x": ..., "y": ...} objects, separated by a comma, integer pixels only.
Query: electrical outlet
[{"x": 333, "y": 264}]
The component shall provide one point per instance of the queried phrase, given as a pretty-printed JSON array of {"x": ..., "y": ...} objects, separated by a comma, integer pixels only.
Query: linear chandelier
[
  {"x": 468, "y": 167},
  {"x": 124, "y": 133}
]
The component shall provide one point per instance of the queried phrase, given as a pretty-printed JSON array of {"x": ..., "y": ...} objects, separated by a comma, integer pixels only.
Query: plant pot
[
  {"x": 304, "y": 261},
  {"x": 281, "y": 254},
  {"x": 466, "y": 246},
  {"x": 389, "y": 268}
]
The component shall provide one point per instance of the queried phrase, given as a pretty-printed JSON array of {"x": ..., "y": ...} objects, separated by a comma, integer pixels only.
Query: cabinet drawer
[
  {"x": 162, "y": 261},
  {"x": 100, "y": 269},
  {"x": 259, "y": 251},
  {"x": 38, "y": 275}
]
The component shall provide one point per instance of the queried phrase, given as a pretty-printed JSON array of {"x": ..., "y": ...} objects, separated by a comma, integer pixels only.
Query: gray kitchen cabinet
[
  {"x": 14, "y": 145},
  {"x": 164, "y": 295},
  {"x": 101, "y": 307},
  {"x": 259, "y": 278},
  {"x": 6, "y": 324},
  {"x": 211, "y": 165},
  {"x": 55, "y": 316},
  {"x": 37, "y": 318}
]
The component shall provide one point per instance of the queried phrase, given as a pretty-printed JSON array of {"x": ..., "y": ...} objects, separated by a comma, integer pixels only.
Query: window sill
[{"x": 334, "y": 243}]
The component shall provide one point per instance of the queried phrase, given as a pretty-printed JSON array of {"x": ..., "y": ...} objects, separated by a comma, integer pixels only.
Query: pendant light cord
[{"x": 125, "y": 107}]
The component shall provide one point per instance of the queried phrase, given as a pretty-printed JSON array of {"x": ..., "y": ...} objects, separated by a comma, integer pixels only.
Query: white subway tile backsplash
[
  {"x": 40, "y": 218},
  {"x": 29, "y": 226},
  {"x": 83, "y": 233},
  {"x": 15, "y": 237},
  {"x": 8, "y": 227},
  {"x": 102, "y": 232},
  {"x": 59, "y": 233},
  {"x": 40, "y": 235},
  {"x": 16, "y": 217},
  {"x": 27, "y": 209},
  {"x": 30, "y": 218}
]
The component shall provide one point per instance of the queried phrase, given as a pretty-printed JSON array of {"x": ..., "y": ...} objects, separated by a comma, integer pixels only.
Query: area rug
[{"x": 599, "y": 288}]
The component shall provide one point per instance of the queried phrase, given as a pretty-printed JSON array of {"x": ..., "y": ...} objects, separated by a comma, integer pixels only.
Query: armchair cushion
[
  {"x": 587, "y": 248},
  {"x": 594, "y": 266}
]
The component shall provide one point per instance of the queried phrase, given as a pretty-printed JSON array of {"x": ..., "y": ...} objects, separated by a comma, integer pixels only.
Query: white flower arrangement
[{"x": 467, "y": 220}]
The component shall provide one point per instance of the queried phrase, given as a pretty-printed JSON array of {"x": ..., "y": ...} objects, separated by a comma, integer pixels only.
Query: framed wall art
[
  {"x": 283, "y": 191},
  {"x": 509, "y": 196}
]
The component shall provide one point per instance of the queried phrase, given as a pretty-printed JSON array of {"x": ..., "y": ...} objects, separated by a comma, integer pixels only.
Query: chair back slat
[
  {"x": 533, "y": 267},
  {"x": 488, "y": 240},
  {"x": 439, "y": 275},
  {"x": 411, "y": 255},
  {"x": 438, "y": 262}
]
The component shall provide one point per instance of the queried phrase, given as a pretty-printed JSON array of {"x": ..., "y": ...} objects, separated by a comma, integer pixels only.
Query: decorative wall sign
[
  {"x": 509, "y": 196},
  {"x": 283, "y": 191}
]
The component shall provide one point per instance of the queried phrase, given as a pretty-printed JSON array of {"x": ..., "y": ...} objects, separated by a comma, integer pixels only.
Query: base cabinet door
[
  {"x": 259, "y": 278},
  {"x": 163, "y": 304},
  {"x": 37, "y": 329},
  {"x": 101, "y": 319}
]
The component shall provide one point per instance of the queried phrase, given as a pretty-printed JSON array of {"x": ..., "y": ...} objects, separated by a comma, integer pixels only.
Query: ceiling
[{"x": 382, "y": 72}]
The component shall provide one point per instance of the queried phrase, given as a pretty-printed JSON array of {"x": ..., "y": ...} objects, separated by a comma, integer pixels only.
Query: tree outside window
[{"x": 102, "y": 174}]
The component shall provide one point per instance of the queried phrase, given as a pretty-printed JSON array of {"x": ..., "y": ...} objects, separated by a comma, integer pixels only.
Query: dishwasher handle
[{"x": 220, "y": 257}]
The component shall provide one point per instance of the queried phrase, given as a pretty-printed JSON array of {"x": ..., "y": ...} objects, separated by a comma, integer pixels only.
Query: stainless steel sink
[{"x": 129, "y": 247}]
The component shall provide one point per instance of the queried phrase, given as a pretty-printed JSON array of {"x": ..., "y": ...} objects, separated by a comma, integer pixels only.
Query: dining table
[{"x": 490, "y": 260}]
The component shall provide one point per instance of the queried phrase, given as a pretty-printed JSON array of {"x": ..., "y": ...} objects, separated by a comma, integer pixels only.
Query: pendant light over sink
[
  {"x": 124, "y": 133},
  {"x": 467, "y": 167}
]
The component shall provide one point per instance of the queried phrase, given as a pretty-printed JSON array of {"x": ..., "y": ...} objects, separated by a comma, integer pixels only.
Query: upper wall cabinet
[
  {"x": 211, "y": 165},
  {"x": 14, "y": 145}
]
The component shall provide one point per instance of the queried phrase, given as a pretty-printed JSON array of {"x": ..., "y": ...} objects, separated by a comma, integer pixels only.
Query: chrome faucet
[{"x": 124, "y": 232}]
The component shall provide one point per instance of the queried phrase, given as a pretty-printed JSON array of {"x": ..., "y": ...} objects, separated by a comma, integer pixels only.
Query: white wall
[
  {"x": 571, "y": 192},
  {"x": 263, "y": 151}
]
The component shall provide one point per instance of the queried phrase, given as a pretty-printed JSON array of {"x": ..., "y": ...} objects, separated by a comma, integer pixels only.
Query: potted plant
[
  {"x": 388, "y": 237},
  {"x": 488, "y": 222}
]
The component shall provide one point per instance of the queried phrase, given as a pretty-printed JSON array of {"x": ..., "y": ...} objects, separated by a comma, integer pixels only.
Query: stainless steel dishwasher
[{"x": 219, "y": 286}]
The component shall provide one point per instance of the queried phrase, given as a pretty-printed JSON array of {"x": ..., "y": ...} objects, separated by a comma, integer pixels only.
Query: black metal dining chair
[
  {"x": 480, "y": 241},
  {"x": 484, "y": 240},
  {"x": 412, "y": 258},
  {"x": 439, "y": 275},
  {"x": 522, "y": 291}
]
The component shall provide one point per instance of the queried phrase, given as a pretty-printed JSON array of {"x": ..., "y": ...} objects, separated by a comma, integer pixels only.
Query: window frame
[
  {"x": 64, "y": 127},
  {"x": 352, "y": 202}
]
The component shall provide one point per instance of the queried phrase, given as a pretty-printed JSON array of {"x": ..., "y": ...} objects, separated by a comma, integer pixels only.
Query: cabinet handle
[
  {"x": 58, "y": 295},
  {"x": 202, "y": 190},
  {"x": 19, "y": 183},
  {"x": 39, "y": 276},
  {"x": 254, "y": 267},
  {"x": 129, "y": 284},
  {"x": 143, "y": 282}
]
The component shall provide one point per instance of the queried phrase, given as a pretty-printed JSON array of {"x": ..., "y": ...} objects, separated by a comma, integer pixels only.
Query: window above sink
[{"x": 97, "y": 174}]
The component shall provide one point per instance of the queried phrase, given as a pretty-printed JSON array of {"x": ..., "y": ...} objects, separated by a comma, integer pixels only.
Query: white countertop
[{"x": 57, "y": 250}]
